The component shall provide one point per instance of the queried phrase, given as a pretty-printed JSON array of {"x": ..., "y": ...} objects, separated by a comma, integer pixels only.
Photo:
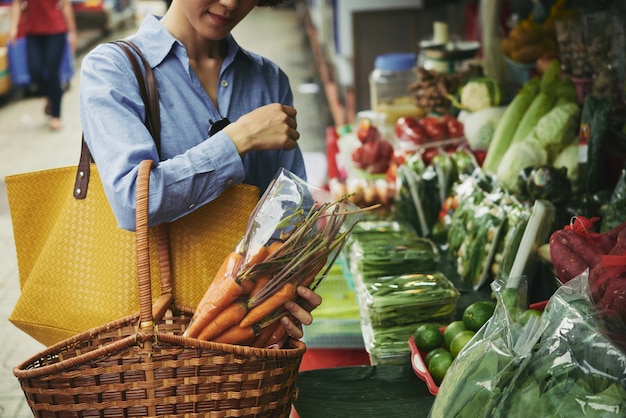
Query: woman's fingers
[{"x": 272, "y": 126}]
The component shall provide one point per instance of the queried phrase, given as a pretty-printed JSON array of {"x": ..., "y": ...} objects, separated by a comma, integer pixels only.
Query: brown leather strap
[
  {"x": 150, "y": 96},
  {"x": 147, "y": 89}
]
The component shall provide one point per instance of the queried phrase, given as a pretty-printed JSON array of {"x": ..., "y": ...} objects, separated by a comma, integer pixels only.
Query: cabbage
[
  {"x": 480, "y": 126},
  {"x": 478, "y": 93},
  {"x": 527, "y": 153}
]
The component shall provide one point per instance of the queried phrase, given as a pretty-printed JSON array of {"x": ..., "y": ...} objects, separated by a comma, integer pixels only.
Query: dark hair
[{"x": 266, "y": 3}]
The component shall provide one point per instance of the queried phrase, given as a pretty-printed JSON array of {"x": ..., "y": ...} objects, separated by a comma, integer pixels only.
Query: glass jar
[{"x": 390, "y": 81}]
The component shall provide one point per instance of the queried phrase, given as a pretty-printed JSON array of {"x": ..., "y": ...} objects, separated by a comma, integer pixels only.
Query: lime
[
  {"x": 432, "y": 354},
  {"x": 450, "y": 332},
  {"x": 477, "y": 314},
  {"x": 439, "y": 365},
  {"x": 428, "y": 337},
  {"x": 461, "y": 339},
  {"x": 524, "y": 316}
]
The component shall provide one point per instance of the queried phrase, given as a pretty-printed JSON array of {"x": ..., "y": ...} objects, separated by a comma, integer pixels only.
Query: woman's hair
[{"x": 265, "y": 3}]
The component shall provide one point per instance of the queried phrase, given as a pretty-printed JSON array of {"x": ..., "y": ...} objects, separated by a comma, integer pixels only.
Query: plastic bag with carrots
[{"x": 292, "y": 238}]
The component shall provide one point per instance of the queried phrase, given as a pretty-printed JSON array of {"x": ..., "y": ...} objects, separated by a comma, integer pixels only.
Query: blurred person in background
[
  {"x": 227, "y": 117},
  {"x": 49, "y": 27}
]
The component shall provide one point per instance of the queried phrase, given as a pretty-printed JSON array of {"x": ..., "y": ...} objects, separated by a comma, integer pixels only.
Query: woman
[
  {"x": 205, "y": 79},
  {"x": 49, "y": 25}
]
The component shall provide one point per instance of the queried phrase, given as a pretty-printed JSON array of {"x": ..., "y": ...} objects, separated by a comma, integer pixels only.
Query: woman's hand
[
  {"x": 269, "y": 127},
  {"x": 301, "y": 311}
]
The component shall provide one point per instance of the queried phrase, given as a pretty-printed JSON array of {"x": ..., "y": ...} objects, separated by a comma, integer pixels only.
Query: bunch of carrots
[{"x": 245, "y": 300}]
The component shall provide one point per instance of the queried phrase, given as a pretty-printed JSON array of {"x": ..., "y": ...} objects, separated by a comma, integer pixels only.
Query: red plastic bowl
[{"x": 419, "y": 367}]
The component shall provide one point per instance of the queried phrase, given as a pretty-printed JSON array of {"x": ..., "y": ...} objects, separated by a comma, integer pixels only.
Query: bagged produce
[
  {"x": 384, "y": 255},
  {"x": 569, "y": 362},
  {"x": 392, "y": 307},
  {"x": 485, "y": 366},
  {"x": 576, "y": 369},
  {"x": 292, "y": 238},
  {"x": 408, "y": 299}
]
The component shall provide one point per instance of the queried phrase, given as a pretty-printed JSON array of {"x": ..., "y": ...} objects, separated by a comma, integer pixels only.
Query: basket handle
[{"x": 142, "y": 237}]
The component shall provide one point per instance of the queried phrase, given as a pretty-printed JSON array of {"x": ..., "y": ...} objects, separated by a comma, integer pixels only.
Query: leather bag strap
[{"x": 150, "y": 96}]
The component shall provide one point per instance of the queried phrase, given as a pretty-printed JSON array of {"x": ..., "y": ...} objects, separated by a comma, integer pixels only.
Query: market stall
[{"x": 500, "y": 171}]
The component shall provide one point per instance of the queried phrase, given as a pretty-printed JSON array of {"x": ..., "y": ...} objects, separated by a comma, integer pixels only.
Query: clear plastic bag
[
  {"x": 474, "y": 383},
  {"x": 576, "y": 369},
  {"x": 569, "y": 363},
  {"x": 292, "y": 238}
]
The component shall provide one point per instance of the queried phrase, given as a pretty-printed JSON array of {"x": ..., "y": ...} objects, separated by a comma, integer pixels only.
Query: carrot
[
  {"x": 259, "y": 256},
  {"x": 273, "y": 247},
  {"x": 246, "y": 286},
  {"x": 265, "y": 334},
  {"x": 227, "y": 293},
  {"x": 236, "y": 335},
  {"x": 269, "y": 305},
  {"x": 227, "y": 270},
  {"x": 231, "y": 315},
  {"x": 277, "y": 336},
  {"x": 259, "y": 283}
]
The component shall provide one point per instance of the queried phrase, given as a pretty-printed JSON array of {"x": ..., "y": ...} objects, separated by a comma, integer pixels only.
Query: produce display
[{"x": 480, "y": 188}]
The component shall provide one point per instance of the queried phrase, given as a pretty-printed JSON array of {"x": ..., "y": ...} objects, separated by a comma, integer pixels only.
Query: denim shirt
[{"x": 192, "y": 168}]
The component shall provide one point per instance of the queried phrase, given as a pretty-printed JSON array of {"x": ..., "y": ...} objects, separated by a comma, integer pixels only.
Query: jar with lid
[{"x": 389, "y": 85}]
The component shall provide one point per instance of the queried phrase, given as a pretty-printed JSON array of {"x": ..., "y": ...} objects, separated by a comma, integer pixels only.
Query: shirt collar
[{"x": 156, "y": 41}]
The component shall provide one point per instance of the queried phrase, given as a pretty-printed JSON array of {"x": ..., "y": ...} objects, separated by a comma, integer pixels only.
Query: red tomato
[
  {"x": 455, "y": 128},
  {"x": 409, "y": 129},
  {"x": 434, "y": 127}
]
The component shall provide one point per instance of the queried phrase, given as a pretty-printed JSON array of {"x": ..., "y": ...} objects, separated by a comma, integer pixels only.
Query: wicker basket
[{"x": 141, "y": 366}]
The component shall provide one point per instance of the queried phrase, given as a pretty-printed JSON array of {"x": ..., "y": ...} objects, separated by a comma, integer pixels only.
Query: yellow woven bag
[{"x": 77, "y": 268}]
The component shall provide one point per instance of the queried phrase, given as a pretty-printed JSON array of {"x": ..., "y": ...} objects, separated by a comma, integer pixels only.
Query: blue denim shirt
[{"x": 193, "y": 169}]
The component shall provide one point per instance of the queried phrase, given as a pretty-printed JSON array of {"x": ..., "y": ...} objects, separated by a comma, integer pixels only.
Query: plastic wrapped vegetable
[
  {"x": 292, "y": 238},
  {"x": 409, "y": 299},
  {"x": 386, "y": 255},
  {"x": 473, "y": 385},
  {"x": 576, "y": 369}
]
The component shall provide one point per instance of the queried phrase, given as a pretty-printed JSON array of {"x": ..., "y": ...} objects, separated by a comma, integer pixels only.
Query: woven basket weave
[{"x": 141, "y": 366}]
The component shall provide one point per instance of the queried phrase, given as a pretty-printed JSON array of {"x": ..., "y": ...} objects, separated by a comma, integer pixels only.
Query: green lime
[
  {"x": 524, "y": 316},
  {"x": 439, "y": 365},
  {"x": 461, "y": 339},
  {"x": 477, "y": 314},
  {"x": 450, "y": 332},
  {"x": 432, "y": 354},
  {"x": 428, "y": 337}
]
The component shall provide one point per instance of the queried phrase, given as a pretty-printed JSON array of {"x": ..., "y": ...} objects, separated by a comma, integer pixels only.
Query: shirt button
[
  {"x": 229, "y": 182},
  {"x": 192, "y": 206},
  {"x": 224, "y": 83}
]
